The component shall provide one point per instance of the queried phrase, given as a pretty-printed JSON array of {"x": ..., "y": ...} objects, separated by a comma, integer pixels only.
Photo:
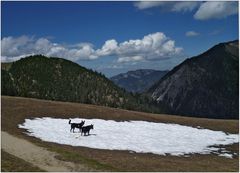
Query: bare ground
[
  {"x": 38, "y": 156},
  {"x": 15, "y": 110}
]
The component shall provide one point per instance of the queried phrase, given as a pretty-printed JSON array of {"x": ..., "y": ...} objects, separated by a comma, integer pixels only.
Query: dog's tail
[{"x": 69, "y": 122}]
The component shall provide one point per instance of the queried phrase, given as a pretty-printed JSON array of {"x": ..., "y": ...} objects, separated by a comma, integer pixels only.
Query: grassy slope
[
  {"x": 16, "y": 109},
  {"x": 11, "y": 163}
]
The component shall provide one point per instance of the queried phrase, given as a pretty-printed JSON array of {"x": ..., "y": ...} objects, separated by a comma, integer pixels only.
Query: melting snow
[
  {"x": 226, "y": 155},
  {"x": 137, "y": 136}
]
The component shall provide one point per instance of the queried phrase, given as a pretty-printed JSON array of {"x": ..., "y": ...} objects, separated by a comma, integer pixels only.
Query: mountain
[
  {"x": 59, "y": 79},
  {"x": 203, "y": 86},
  {"x": 138, "y": 80}
]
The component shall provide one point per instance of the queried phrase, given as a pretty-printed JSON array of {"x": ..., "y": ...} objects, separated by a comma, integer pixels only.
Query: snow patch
[
  {"x": 227, "y": 155},
  {"x": 137, "y": 136}
]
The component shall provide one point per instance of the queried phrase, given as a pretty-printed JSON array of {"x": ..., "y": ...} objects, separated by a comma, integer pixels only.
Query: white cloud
[
  {"x": 15, "y": 58},
  {"x": 191, "y": 33},
  {"x": 184, "y": 6},
  {"x": 168, "y": 5},
  {"x": 148, "y": 4},
  {"x": 13, "y": 49},
  {"x": 150, "y": 47},
  {"x": 205, "y": 10},
  {"x": 216, "y": 10},
  {"x": 108, "y": 48},
  {"x": 130, "y": 59},
  {"x": 15, "y": 46}
]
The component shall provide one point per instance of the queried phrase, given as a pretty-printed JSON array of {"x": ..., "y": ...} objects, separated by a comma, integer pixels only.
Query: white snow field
[{"x": 137, "y": 136}]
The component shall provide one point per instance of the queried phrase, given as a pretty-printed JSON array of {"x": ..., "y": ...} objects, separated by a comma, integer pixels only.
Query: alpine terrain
[
  {"x": 60, "y": 79},
  {"x": 203, "y": 86}
]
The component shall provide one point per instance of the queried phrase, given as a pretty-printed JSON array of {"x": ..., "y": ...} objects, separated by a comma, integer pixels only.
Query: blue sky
[{"x": 97, "y": 34}]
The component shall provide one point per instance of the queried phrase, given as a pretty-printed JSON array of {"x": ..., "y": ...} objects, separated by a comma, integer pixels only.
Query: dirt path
[{"x": 36, "y": 155}]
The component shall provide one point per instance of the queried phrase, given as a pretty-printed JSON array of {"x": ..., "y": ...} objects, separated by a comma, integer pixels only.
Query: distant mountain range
[
  {"x": 138, "y": 80},
  {"x": 203, "y": 86},
  {"x": 59, "y": 79}
]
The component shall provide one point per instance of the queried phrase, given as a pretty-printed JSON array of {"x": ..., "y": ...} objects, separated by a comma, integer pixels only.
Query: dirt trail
[{"x": 36, "y": 155}]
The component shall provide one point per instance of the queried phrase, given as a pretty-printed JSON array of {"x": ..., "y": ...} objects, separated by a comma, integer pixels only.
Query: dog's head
[{"x": 91, "y": 126}]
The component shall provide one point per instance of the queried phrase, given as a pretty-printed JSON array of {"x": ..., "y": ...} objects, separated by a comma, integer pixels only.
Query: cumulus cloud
[
  {"x": 168, "y": 5},
  {"x": 191, "y": 33},
  {"x": 109, "y": 47},
  {"x": 216, "y": 10},
  {"x": 16, "y": 48},
  {"x": 205, "y": 10},
  {"x": 150, "y": 47},
  {"x": 185, "y": 6}
]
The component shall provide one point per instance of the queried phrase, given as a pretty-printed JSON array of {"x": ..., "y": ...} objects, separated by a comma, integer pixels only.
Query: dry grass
[
  {"x": 16, "y": 109},
  {"x": 11, "y": 163}
]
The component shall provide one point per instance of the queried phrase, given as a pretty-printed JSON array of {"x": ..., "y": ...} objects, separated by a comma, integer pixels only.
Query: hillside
[
  {"x": 113, "y": 160},
  {"x": 203, "y": 86},
  {"x": 138, "y": 80},
  {"x": 60, "y": 79}
]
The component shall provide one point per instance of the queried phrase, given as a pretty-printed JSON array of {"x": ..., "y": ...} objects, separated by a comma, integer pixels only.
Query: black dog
[
  {"x": 86, "y": 129},
  {"x": 76, "y": 125}
]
